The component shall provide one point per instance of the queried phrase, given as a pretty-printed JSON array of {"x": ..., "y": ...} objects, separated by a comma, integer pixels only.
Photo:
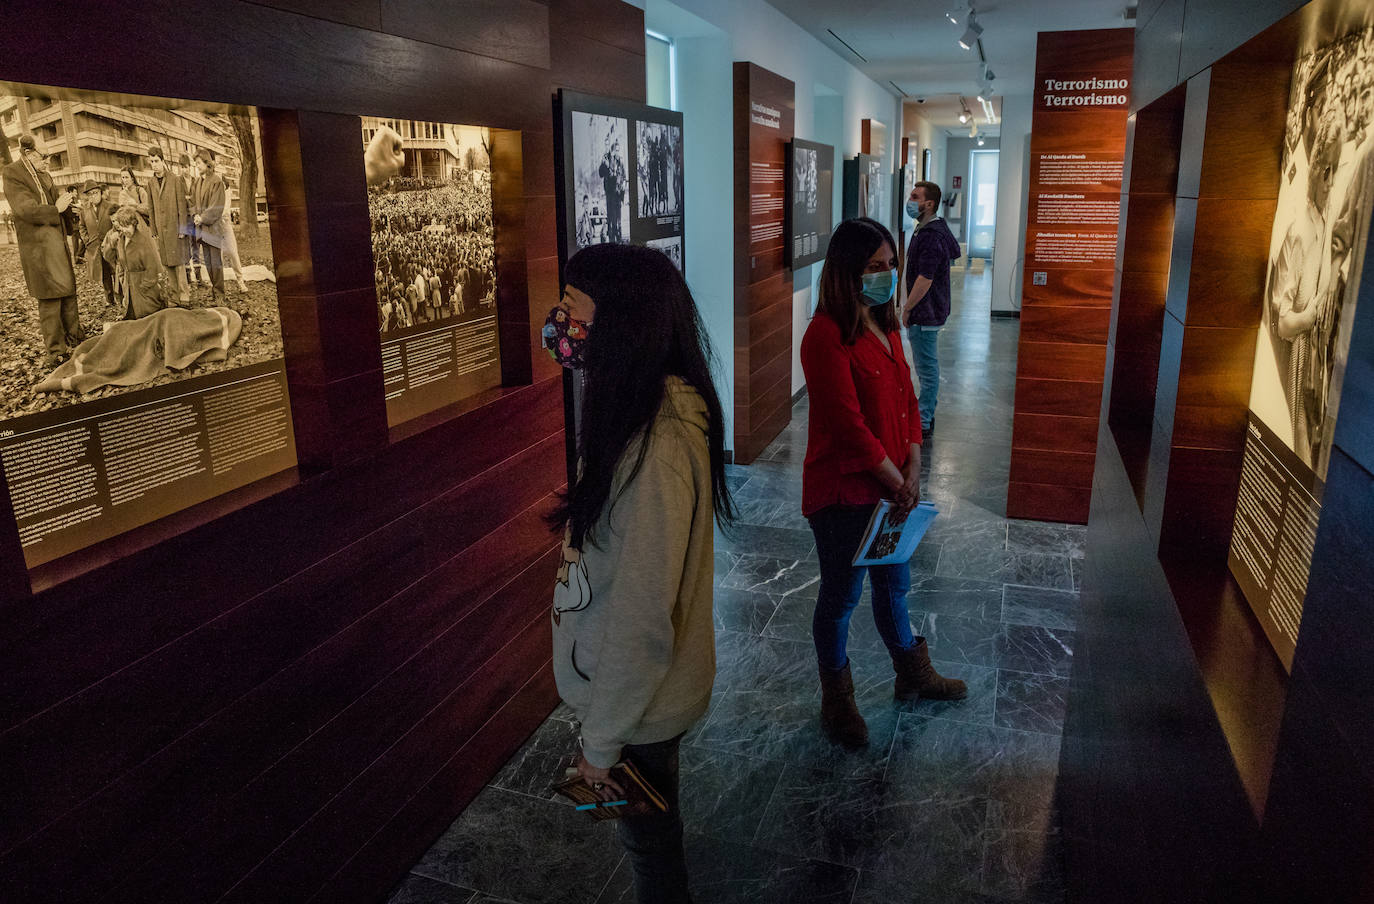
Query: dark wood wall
[
  {"x": 1193, "y": 768},
  {"x": 1061, "y": 350},
  {"x": 288, "y": 692},
  {"x": 763, "y": 283}
]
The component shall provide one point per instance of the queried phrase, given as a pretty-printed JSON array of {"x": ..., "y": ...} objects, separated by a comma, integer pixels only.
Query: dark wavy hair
[
  {"x": 647, "y": 329},
  {"x": 851, "y": 245}
]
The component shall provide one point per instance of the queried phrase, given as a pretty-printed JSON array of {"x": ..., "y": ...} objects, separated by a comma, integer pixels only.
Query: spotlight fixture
[
  {"x": 986, "y": 93},
  {"x": 980, "y": 140},
  {"x": 964, "y": 115},
  {"x": 953, "y": 15},
  {"x": 988, "y": 74},
  {"x": 971, "y": 33}
]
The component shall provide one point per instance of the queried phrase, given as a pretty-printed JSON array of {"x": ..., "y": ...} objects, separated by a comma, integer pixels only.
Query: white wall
[
  {"x": 712, "y": 34},
  {"x": 1012, "y": 180}
]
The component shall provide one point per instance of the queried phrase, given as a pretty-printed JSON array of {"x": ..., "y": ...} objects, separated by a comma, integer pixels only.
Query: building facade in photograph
[
  {"x": 433, "y": 150},
  {"x": 87, "y": 140}
]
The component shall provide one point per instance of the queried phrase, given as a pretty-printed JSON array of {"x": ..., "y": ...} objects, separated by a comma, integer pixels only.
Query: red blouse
[{"x": 863, "y": 409}]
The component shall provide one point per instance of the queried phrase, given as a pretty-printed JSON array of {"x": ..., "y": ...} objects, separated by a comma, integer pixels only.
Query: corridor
[{"x": 950, "y": 802}]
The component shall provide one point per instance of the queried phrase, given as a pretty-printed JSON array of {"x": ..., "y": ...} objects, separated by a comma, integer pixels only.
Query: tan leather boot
[
  {"x": 839, "y": 716},
  {"x": 916, "y": 677}
]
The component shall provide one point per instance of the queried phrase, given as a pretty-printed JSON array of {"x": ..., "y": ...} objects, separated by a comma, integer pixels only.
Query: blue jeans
[
  {"x": 925, "y": 349},
  {"x": 838, "y": 530},
  {"x": 653, "y": 843}
]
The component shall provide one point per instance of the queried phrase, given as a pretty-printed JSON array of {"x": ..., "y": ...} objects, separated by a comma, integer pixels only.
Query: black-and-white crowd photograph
[
  {"x": 601, "y": 187},
  {"x": 1317, "y": 244},
  {"x": 429, "y": 197},
  {"x": 672, "y": 247},
  {"x": 658, "y": 165},
  {"x": 134, "y": 245},
  {"x": 805, "y": 198}
]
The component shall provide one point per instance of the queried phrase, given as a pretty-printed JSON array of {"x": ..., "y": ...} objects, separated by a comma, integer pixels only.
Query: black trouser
[
  {"x": 654, "y": 842},
  {"x": 60, "y": 324},
  {"x": 214, "y": 262}
]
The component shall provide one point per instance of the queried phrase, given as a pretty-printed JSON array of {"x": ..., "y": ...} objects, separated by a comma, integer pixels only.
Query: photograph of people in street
[
  {"x": 671, "y": 247},
  {"x": 429, "y": 197},
  {"x": 804, "y": 194},
  {"x": 129, "y": 232},
  {"x": 658, "y": 165},
  {"x": 1317, "y": 244},
  {"x": 600, "y": 179}
]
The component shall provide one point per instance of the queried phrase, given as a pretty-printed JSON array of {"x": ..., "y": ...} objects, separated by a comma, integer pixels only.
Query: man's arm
[{"x": 918, "y": 291}]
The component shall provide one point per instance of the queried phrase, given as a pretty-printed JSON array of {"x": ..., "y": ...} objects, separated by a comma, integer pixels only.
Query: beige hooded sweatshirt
[{"x": 633, "y": 639}]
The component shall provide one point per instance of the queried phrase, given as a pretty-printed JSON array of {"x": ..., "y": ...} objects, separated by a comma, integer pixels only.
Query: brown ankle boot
[
  {"x": 916, "y": 677},
  {"x": 839, "y": 716}
]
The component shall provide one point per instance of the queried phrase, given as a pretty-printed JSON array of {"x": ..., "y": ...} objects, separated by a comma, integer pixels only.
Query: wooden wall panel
[
  {"x": 1068, "y": 280},
  {"x": 763, "y": 286},
  {"x": 302, "y": 716}
]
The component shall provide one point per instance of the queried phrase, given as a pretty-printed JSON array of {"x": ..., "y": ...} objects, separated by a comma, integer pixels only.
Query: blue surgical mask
[
  {"x": 879, "y": 287},
  {"x": 913, "y": 210}
]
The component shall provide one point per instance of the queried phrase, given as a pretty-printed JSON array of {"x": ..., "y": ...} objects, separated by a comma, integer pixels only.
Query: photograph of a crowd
[
  {"x": 658, "y": 153},
  {"x": 134, "y": 246},
  {"x": 429, "y": 198},
  {"x": 601, "y": 189},
  {"x": 1317, "y": 245},
  {"x": 805, "y": 197}
]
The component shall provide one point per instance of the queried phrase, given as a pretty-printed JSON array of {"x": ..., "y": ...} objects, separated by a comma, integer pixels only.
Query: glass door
[{"x": 982, "y": 168}]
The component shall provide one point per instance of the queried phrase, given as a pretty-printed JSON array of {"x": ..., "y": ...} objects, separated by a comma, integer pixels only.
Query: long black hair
[
  {"x": 851, "y": 245},
  {"x": 647, "y": 329}
]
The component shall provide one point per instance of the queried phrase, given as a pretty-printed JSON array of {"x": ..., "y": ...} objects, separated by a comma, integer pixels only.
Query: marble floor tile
[
  {"x": 1039, "y": 606},
  {"x": 991, "y": 563},
  {"x": 725, "y": 562},
  {"x": 536, "y": 765},
  {"x": 1024, "y": 856},
  {"x": 423, "y": 890},
  {"x": 963, "y": 597},
  {"x": 723, "y": 795},
  {"x": 575, "y": 855},
  {"x": 879, "y": 826},
  {"x": 752, "y": 509},
  {"x": 1031, "y": 702},
  {"x": 939, "y": 756},
  {"x": 762, "y": 540},
  {"x": 1038, "y": 536},
  {"x": 1077, "y": 574},
  {"x": 732, "y": 873},
  {"x": 1031, "y": 648},
  {"x": 968, "y": 640},
  {"x": 769, "y": 574},
  {"x": 743, "y": 610}
]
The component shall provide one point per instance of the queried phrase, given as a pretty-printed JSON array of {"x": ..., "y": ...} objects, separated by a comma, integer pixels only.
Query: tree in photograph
[{"x": 248, "y": 173}]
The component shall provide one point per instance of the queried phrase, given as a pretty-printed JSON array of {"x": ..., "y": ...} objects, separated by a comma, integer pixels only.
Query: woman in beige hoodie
[{"x": 634, "y": 645}]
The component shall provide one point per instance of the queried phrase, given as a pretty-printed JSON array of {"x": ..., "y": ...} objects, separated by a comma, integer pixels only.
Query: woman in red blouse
[{"x": 863, "y": 445}]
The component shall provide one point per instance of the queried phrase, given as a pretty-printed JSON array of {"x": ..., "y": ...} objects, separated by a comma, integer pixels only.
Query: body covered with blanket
[{"x": 138, "y": 351}]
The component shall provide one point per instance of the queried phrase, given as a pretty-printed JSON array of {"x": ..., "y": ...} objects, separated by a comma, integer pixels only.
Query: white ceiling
[{"x": 910, "y": 43}]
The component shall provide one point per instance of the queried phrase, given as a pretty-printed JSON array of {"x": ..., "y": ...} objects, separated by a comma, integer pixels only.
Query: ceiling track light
[
  {"x": 980, "y": 140},
  {"x": 971, "y": 33},
  {"x": 986, "y": 93},
  {"x": 955, "y": 13},
  {"x": 988, "y": 74}
]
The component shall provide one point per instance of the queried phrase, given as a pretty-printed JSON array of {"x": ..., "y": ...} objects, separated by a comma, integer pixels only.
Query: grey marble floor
[{"x": 950, "y": 801}]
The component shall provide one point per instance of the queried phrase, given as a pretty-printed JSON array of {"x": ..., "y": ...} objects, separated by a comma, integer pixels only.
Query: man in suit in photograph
[{"x": 42, "y": 224}]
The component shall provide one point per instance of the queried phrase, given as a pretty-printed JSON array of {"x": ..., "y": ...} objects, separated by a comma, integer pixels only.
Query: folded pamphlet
[{"x": 889, "y": 539}]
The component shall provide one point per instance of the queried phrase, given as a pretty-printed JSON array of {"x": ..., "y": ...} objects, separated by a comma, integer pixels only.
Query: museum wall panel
[
  {"x": 1277, "y": 766},
  {"x": 272, "y": 691}
]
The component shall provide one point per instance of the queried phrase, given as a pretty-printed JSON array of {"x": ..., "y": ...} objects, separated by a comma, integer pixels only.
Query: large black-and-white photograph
[
  {"x": 429, "y": 197},
  {"x": 658, "y": 167},
  {"x": 601, "y": 185},
  {"x": 672, "y": 247},
  {"x": 134, "y": 247},
  {"x": 1317, "y": 245},
  {"x": 804, "y": 182},
  {"x": 809, "y": 207}
]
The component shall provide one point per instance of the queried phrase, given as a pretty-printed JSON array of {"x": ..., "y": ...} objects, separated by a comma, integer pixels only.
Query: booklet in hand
[
  {"x": 640, "y": 797},
  {"x": 889, "y": 540}
]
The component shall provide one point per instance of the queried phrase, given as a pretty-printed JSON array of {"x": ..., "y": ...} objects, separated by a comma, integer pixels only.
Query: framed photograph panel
[
  {"x": 810, "y": 207},
  {"x": 619, "y": 167},
  {"x": 434, "y": 255},
  {"x": 140, "y": 338}
]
